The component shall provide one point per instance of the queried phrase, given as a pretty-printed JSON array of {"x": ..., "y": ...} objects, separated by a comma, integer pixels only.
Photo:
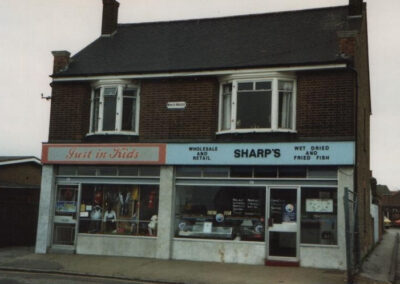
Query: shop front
[{"x": 267, "y": 203}]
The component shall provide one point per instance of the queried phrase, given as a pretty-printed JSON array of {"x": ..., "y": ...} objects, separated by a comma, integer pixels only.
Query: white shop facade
[{"x": 250, "y": 203}]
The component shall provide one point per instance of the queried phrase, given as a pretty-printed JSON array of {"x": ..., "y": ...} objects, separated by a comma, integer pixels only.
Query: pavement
[
  {"x": 190, "y": 272},
  {"x": 381, "y": 263}
]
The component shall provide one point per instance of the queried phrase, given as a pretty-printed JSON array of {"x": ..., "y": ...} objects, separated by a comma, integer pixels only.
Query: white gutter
[
  {"x": 203, "y": 73},
  {"x": 21, "y": 161}
]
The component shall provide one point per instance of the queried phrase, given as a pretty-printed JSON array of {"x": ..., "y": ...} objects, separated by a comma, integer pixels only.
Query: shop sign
[
  {"x": 319, "y": 205},
  {"x": 103, "y": 154},
  {"x": 176, "y": 105},
  {"x": 306, "y": 153}
]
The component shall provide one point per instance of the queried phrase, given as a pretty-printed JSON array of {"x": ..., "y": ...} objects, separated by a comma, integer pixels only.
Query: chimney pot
[
  {"x": 61, "y": 60},
  {"x": 110, "y": 17}
]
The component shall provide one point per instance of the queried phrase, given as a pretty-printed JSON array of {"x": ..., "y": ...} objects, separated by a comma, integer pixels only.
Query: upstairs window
[
  {"x": 114, "y": 108},
  {"x": 257, "y": 105}
]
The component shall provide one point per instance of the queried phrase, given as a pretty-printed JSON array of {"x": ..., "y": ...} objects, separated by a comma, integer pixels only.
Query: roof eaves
[
  {"x": 21, "y": 161},
  {"x": 235, "y": 68}
]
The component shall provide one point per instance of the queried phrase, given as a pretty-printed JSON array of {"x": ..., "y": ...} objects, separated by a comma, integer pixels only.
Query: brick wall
[
  {"x": 70, "y": 112},
  {"x": 325, "y": 104},
  {"x": 361, "y": 64},
  {"x": 23, "y": 174},
  {"x": 197, "y": 121},
  {"x": 324, "y": 111}
]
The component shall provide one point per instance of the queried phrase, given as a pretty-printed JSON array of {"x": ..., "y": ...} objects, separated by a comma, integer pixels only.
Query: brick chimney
[
  {"x": 61, "y": 60},
  {"x": 110, "y": 17},
  {"x": 355, "y": 7}
]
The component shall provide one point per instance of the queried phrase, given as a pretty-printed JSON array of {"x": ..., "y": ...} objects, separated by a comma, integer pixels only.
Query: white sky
[{"x": 31, "y": 29}]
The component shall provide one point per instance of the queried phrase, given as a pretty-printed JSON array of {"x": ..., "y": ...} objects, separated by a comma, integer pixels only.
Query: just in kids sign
[
  {"x": 308, "y": 153},
  {"x": 103, "y": 154}
]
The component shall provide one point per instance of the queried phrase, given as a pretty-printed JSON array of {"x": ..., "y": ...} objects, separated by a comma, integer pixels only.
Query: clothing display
[
  {"x": 95, "y": 219},
  {"x": 153, "y": 224},
  {"x": 124, "y": 201},
  {"x": 110, "y": 219},
  {"x": 119, "y": 209}
]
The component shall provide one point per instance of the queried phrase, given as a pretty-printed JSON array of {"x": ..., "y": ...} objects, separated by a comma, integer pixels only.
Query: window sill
[
  {"x": 117, "y": 236},
  {"x": 320, "y": 246},
  {"x": 127, "y": 133},
  {"x": 218, "y": 241},
  {"x": 261, "y": 130}
]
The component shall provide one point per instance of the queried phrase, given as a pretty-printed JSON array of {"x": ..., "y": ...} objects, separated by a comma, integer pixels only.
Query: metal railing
[{"x": 350, "y": 216}]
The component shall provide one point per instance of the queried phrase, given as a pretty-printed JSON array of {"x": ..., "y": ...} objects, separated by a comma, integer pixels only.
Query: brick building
[{"x": 225, "y": 139}]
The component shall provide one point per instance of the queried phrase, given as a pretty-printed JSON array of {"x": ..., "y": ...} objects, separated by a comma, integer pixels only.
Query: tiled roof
[{"x": 264, "y": 40}]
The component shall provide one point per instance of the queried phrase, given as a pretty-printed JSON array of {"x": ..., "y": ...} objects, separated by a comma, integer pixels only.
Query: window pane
[
  {"x": 292, "y": 172},
  {"x": 95, "y": 114},
  {"x": 86, "y": 171},
  {"x": 243, "y": 172},
  {"x": 216, "y": 172},
  {"x": 263, "y": 85},
  {"x": 108, "y": 171},
  {"x": 245, "y": 86},
  {"x": 265, "y": 172},
  {"x": 285, "y": 114},
  {"x": 322, "y": 172},
  {"x": 110, "y": 105},
  {"x": 285, "y": 86},
  {"x": 210, "y": 212},
  {"x": 128, "y": 171},
  {"x": 185, "y": 171},
  {"x": 226, "y": 106},
  {"x": 319, "y": 216},
  {"x": 67, "y": 170},
  {"x": 149, "y": 171},
  {"x": 253, "y": 109},
  {"x": 129, "y": 110},
  {"x": 65, "y": 214}
]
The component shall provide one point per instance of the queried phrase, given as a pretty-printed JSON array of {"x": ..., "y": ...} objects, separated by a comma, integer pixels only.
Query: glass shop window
[
  {"x": 119, "y": 209},
  {"x": 65, "y": 215},
  {"x": 319, "y": 216},
  {"x": 292, "y": 172},
  {"x": 211, "y": 212}
]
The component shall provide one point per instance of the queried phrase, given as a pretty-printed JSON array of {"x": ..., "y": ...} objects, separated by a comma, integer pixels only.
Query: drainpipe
[{"x": 355, "y": 176}]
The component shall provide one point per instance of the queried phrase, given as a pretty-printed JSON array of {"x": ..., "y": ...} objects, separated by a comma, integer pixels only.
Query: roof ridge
[{"x": 230, "y": 17}]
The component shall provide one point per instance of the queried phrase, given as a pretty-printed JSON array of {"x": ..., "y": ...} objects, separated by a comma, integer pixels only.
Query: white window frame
[
  {"x": 274, "y": 78},
  {"x": 120, "y": 85}
]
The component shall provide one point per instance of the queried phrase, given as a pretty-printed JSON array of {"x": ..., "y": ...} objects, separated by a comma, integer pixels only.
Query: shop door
[
  {"x": 65, "y": 215},
  {"x": 283, "y": 220}
]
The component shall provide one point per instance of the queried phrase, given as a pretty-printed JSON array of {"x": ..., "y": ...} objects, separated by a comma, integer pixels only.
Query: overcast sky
[{"x": 31, "y": 29}]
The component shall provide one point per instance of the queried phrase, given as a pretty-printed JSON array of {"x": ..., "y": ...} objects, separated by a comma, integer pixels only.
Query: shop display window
[
  {"x": 319, "y": 216},
  {"x": 119, "y": 209},
  {"x": 211, "y": 212}
]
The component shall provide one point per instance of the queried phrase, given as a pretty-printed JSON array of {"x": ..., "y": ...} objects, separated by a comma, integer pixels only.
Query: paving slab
[{"x": 377, "y": 265}]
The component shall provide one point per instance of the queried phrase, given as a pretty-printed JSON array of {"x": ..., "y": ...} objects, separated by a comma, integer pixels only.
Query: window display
[
  {"x": 119, "y": 209},
  {"x": 233, "y": 213},
  {"x": 319, "y": 216}
]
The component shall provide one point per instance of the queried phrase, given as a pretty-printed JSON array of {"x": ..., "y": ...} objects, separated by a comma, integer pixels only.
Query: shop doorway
[
  {"x": 65, "y": 216},
  {"x": 283, "y": 224}
]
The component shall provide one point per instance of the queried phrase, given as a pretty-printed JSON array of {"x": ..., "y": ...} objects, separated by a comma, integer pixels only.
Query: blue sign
[{"x": 305, "y": 153}]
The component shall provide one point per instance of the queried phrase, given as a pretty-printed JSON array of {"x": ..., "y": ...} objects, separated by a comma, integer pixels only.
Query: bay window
[
  {"x": 114, "y": 108},
  {"x": 257, "y": 104}
]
